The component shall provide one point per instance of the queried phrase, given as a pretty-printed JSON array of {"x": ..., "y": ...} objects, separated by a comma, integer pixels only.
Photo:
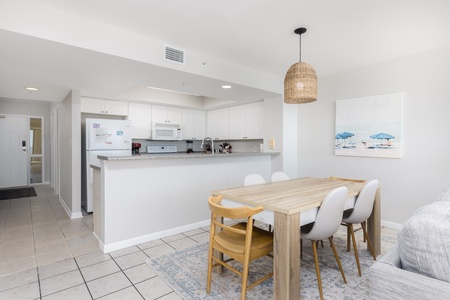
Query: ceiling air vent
[{"x": 174, "y": 55}]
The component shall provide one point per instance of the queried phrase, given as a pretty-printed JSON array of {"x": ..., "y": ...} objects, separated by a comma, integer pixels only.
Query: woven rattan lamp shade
[{"x": 300, "y": 84}]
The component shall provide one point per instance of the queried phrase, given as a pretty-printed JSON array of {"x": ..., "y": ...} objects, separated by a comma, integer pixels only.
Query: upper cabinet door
[
  {"x": 93, "y": 106},
  {"x": 194, "y": 124},
  {"x": 104, "y": 107},
  {"x": 254, "y": 125},
  {"x": 218, "y": 124},
  {"x": 140, "y": 115},
  {"x": 246, "y": 121},
  {"x": 117, "y": 108},
  {"x": 164, "y": 114}
]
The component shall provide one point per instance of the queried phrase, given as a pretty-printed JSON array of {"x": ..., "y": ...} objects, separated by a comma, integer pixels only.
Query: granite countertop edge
[{"x": 184, "y": 155}]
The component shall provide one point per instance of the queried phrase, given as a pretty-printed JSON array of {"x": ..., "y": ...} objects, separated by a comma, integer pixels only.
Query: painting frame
[{"x": 369, "y": 126}]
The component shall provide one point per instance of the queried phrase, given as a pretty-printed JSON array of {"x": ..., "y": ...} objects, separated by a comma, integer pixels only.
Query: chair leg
[
  {"x": 366, "y": 237},
  {"x": 301, "y": 248},
  {"x": 316, "y": 260},
  {"x": 244, "y": 279},
  {"x": 355, "y": 249},
  {"x": 337, "y": 258},
  {"x": 348, "y": 237},
  {"x": 210, "y": 263}
]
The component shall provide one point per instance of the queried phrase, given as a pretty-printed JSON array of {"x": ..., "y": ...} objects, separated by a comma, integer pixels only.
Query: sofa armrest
[{"x": 389, "y": 281}]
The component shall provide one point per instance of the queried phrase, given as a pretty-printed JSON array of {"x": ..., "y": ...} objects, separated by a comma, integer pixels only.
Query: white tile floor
[{"x": 45, "y": 255}]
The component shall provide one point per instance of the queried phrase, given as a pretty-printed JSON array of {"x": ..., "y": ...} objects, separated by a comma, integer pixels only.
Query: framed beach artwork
[{"x": 369, "y": 126}]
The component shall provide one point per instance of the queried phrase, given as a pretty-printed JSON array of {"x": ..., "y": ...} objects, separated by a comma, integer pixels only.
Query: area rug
[
  {"x": 6, "y": 194},
  {"x": 185, "y": 271}
]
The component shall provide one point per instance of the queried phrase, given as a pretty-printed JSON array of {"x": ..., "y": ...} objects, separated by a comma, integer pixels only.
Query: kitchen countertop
[{"x": 183, "y": 155}]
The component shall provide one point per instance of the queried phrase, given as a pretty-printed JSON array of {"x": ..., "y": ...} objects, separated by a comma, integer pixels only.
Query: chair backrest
[
  {"x": 279, "y": 176},
  {"x": 329, "y": 217},
  {"x": 252, "y": 179},
  {"x": 364, "y": 203},
  {"x": 218, "y": 211}
]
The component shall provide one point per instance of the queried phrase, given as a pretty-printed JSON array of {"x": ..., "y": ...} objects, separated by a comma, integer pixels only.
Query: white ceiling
[{"x": 342, "y": 35}]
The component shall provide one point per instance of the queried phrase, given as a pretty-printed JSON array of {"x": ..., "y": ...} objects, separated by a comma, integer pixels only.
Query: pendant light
[{"x": 300, "y": 83}]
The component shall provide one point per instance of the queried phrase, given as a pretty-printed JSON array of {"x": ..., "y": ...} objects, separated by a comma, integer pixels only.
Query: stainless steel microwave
[{"x": 166, "y": 131}]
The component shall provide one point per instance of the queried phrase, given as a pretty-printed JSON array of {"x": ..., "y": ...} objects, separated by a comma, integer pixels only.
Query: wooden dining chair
[
  {"x": 241, "y": 242},
  {"x": 327, "y": 223},
  {"x": 359, "y": 215}
]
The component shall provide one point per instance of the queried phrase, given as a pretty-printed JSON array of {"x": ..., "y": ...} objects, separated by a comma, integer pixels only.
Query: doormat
[{"x": 6, "y": 194}]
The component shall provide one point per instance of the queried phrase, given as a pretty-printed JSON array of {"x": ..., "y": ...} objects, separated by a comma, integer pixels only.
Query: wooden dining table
[{"x": 287, "y": 199}]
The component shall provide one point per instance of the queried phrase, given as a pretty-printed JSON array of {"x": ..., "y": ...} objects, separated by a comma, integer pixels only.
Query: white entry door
[{"x": 13, "y": 151}]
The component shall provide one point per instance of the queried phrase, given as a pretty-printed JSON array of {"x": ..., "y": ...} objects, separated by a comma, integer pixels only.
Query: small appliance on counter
[
  {"x": 189, "y": 145},
  {"x": 226, "y": 147},
  {"x": 135, "y": 148}
]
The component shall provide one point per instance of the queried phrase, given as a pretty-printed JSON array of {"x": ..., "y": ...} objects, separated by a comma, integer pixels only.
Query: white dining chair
[
  {"x": 253, "y": 178},
  {"x": 279, "y": 176},
  {"x": 359, "y": 215},
  {"x": 327, "y": 223}
]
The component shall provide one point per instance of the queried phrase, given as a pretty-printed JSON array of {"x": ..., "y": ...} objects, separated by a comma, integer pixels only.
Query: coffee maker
[{"x": 135, "y": 148}]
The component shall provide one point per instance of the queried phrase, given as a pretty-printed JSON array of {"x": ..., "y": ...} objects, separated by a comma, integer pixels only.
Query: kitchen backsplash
[{"x": 238, "y": 145}]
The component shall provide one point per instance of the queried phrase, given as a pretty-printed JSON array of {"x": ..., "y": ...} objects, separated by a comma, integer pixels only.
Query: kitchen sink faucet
[{"x": 212, "y": 143}]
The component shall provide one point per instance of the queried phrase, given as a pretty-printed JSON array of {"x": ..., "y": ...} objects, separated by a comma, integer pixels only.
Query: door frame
[{"x": 54, "y": 144}]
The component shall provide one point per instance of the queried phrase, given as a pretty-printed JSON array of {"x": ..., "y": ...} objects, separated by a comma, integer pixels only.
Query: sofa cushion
[{"x": 424, "y": 241}]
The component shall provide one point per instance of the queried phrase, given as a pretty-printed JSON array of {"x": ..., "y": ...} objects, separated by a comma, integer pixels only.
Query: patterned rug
[
  {"x": 185, "y": 271},
  {"x": 6, "y": 194}
]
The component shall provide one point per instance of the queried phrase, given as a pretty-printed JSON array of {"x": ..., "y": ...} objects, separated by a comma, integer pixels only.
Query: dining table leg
[
  {"x": 286, "y": 258},
  {"x": 374, "y": 225}
]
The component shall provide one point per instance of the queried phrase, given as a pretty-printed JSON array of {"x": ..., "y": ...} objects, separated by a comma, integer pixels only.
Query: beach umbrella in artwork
[
  {"x": 345, "y": 135},
  {"x": 337, "y": 137},
  {"x": 382, "y": 136}
]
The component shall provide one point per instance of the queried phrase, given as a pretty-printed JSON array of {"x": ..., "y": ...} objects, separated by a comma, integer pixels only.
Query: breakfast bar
[{"x": 146, "y": 197}]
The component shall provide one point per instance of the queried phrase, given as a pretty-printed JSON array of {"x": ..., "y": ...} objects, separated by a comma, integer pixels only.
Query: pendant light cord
[{"x": 300, "y": 47}]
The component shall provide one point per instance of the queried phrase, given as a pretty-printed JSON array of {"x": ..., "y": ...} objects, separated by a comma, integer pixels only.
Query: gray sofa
[{"x": 418, "y": 267}]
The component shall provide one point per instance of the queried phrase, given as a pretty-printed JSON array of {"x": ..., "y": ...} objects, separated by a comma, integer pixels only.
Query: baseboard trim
[
  {"x": 391, "y": 225},
  {"x": 69, "y": 211},
  {"x": 106, "y": 248}
]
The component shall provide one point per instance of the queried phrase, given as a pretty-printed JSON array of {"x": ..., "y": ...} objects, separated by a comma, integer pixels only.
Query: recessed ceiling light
[
  {"x": 31, "y": 89},
  {"x": 226, "y": 86}
]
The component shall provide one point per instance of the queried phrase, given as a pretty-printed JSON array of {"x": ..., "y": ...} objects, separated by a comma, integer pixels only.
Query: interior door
[{"x": 13, "y": 151}]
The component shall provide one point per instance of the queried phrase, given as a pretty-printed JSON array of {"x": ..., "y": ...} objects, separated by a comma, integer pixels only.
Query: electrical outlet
[{"x": 272, "y": 143}]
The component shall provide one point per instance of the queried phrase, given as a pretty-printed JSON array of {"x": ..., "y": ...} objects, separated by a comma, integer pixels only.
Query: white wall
[
  {"x": 273, "y": 128},
  {"x": 406, "y": 183},
  {"x": 70, "y": 154}
]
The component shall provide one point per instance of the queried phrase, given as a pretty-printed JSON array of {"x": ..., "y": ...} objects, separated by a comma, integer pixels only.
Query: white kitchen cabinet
[
  {"x": 165, "y": 114},
  {"x": 140, "y": 115},
  {"x": 218, "y": 124},
  {"x": 105, "y": 107},
  {"x": 246, "y": 121},
  {"x": 194, "y": 124}
]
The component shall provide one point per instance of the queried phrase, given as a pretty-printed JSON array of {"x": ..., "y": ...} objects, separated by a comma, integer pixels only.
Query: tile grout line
[{"x": 82, "y": 276}]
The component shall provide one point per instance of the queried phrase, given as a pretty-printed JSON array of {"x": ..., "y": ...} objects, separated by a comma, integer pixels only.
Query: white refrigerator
[{"x": 104, "y": 137}]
